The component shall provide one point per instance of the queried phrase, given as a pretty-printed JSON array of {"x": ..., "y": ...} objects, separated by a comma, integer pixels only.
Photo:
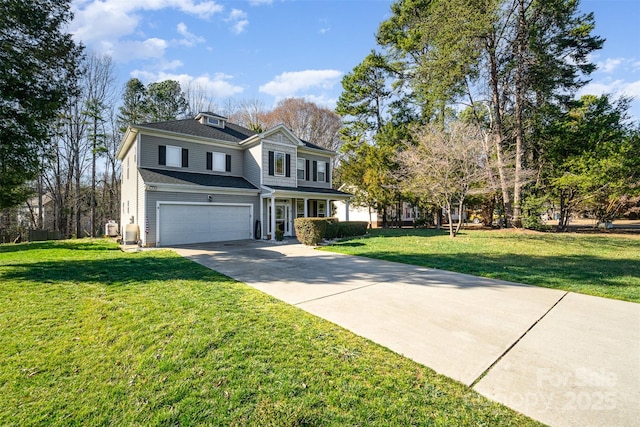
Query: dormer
[{"x": 211, "y": 119}]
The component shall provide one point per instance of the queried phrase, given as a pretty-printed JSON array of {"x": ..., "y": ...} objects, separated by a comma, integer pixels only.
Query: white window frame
[
  {"x": 300, "y": 208},
  {"x": 219, "y": 162},
  {"x": 322, "y": 170},
  {"x": 322, "y": 208},
  {"x": 174, "y": 156},
  {"x": 303, "y": 169},
  {"x": 278, "y": 155}
]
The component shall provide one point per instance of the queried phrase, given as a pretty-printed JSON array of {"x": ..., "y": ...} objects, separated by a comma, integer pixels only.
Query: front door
[{"x": 283, "y": 218}]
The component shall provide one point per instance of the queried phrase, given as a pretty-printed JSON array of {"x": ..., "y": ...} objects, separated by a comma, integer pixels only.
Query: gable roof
[{"x": 161, "y": 176}]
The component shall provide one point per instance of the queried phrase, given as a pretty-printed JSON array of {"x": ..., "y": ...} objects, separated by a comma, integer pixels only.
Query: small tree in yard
[{"x": 445, "y": 165}]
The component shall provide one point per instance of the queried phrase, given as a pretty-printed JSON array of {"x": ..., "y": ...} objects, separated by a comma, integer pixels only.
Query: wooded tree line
[
  {"x": 464, "y": 101},
  {"x": 501, "y": 76}
]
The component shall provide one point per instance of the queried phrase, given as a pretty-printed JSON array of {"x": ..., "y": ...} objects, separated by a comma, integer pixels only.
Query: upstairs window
[
  {"x": 218, "y": 162},
  {"x": 170, "y": 155},
  {"x": 301, "y": 168},
  {"x": 279, "y": 163},
  {"x": 322, "y": 172}
]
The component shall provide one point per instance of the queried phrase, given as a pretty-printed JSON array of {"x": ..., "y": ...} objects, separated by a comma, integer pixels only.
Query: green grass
[
  {"x": 601, "y": 265},
  {"x": 90, "y": 335}
]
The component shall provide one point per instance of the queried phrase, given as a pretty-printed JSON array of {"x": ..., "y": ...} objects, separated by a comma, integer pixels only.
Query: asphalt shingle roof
[
  {"x": 161, "y": 176},
  {"x": 230, "y": 133}
]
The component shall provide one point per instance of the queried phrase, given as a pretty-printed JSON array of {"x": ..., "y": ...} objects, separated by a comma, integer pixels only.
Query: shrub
[
  {"x": 351, "y": 228},
  {"x": 279, "y": 235},
  {"x": 310, "y": 231}
]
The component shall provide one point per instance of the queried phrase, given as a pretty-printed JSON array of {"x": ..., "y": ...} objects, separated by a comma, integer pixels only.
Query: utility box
[
  {"x": 131, "y": 234},
  {"x": 111, "y": 229}
]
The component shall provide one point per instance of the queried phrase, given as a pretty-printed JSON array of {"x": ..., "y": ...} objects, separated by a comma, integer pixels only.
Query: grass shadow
[
  {"x": 79, "y": 245},
  {"x": 120, "y": 270}
]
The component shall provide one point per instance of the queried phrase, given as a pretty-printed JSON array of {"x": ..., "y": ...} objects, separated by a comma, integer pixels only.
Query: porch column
[
  {"x": 306, "y": 208},
  {"x": 327, "y": 209},
  {"x": 262, "y": 227},
  {"x": 346, "y": 212},
  {"x": 273, "y": 218}
]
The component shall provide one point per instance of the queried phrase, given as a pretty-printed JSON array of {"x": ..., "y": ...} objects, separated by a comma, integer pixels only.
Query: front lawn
[
  {"x": 601, "y": 265},
  {"x": 90, "y": 335}
]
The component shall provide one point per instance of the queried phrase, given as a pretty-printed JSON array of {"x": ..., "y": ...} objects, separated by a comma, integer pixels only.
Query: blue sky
[{"x": 268, "y": 50}]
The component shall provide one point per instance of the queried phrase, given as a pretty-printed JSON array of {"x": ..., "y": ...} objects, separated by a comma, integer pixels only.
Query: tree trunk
[
  {"x": 519, "y": 101},
  {"x": 497, "y": 132}
]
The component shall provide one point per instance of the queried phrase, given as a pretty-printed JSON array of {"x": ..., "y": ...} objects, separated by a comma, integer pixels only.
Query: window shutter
[
  {"x": 287, "y": 166},
  {"x": 326, "y": 173},
  {"x": 271, "y": 164},
  {"x": 315, "y": 170},
  {"x": 209, "y": 161},
  {"x": 162, "y": 155},
  {"x": 185, "y": 158},
  {"x": 227, "y": 163},
  {"x": 307, "y": 169}
]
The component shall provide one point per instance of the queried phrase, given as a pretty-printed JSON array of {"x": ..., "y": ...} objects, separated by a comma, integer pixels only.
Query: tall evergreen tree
[
  {"x": 134, "y": 105},
  {"x": 38, "y": 62}
]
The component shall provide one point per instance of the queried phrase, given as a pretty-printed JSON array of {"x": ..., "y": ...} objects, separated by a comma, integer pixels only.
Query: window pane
[
  {"x": 321, "y": 171},
  {"x": 218, "y": 162},
  {"x": 174, "y": 156},
  {"x": 279, "y": 162},
  {"x": 321, "y": 209},
  {"x": 301, "y": 163}
]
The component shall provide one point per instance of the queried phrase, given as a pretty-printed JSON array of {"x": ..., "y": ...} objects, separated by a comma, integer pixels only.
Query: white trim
[
  {"x": 302, "y": 194},
  {"x": 161, "y": 202},
  {"x": 200, "y": 189}
]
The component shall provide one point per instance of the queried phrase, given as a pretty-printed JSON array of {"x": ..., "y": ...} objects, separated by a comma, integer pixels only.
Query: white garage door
[{"x": 182, "y": 224}]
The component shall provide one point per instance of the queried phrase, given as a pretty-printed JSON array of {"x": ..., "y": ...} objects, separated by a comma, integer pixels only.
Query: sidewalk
[{"x": 564, "y": 359}]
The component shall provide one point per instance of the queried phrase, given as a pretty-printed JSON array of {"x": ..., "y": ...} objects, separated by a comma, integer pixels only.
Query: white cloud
[
  {"x": 260, "y": 2},
  {"x": 188, "y": 39},
  {"x": 238, "y": 20},
  {"x": 609, "y": 65},
  {"x": 216, "y": 86},
  {"x": 125, "y": 51},
  {"x": 614, "y": 87},
  {"x": 101, "y": 24},
  {"x": 291, "y": 83}
]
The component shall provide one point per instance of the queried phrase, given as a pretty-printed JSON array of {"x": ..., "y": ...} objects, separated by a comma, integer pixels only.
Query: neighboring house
[
  {"x": 205, "y": 179},
  {"x": 346, "y": 210}
]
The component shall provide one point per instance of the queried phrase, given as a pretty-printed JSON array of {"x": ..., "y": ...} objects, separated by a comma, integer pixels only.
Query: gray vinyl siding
[
  {"x": 252, "y": 169},
  {"x": 197, "y": 155},
  {"x": 152, "y": 197},
  {"x": 311, "y": 182},
  {"x": 278, "y": 180}
]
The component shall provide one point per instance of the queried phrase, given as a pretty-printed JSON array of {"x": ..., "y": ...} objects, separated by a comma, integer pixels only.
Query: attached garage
[{"x": 184, "y": 223}]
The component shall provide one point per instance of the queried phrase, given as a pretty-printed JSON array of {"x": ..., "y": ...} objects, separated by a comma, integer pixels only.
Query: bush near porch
[{"x": 311, "y": 231}]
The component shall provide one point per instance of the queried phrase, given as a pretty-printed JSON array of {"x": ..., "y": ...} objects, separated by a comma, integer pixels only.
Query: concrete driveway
[{"x": 562, "y": 358}]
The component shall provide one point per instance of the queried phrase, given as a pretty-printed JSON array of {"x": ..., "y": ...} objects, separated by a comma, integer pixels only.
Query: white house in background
[
  {"x": 346, "y": 211},
  {"x": 206, "y": 179}
]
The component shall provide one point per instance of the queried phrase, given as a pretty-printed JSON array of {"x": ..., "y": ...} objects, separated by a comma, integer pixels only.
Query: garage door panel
[{"x": 183, "y": 224}]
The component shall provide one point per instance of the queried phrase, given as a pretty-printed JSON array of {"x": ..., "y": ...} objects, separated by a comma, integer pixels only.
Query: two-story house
[{"x": 205, "y": 180}]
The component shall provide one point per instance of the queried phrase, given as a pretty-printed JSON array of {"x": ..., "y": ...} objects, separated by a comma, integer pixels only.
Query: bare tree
[
  {"x": 444, "y": 166},
  {"x": 307, "y": 120},
  {"x": 198, "y": 99}
]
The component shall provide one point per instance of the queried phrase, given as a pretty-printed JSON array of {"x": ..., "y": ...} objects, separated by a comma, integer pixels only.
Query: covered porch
[{"x": 280, "y": 206}]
